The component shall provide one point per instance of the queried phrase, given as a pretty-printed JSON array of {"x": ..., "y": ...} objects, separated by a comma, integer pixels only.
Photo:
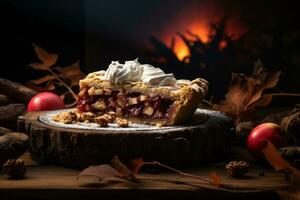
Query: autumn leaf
[
  {"x": 215, "y": 178},
  {"x": 43, "y": 79},
  {"x": 135, "y": 165},
  {"x": 47, "y": 59},
  {"x": 109, "y": 171},
  {"x": 100, "y": 171},
  {"x": 275, "y": 159},
  {"x": 245, "y": 93},
  {"x": 72, "y": 72},
  {"x": 122, "y": 169}
]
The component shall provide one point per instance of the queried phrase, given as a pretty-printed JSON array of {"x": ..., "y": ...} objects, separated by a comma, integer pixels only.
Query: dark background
[{"x": 97, "y": 32}]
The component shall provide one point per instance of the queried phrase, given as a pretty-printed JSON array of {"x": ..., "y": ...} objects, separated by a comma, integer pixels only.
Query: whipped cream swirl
[{"x": 133, "y": 71}]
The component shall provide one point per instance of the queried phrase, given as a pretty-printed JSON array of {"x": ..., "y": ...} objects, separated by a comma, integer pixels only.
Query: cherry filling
[{"x": 124, "y": 104}]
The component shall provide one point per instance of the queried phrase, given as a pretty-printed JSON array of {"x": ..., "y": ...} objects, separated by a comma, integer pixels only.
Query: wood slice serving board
[{"x": 205, "y": 139}]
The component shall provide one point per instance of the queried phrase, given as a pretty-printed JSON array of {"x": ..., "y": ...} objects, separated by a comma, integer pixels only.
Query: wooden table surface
[{"x": 53, "y": 182}]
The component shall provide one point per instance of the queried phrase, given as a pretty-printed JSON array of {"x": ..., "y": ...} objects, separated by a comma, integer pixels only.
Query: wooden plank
[{"x": 44, "y": 182}]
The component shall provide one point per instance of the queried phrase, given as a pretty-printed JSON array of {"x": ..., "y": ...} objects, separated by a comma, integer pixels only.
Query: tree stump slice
[{"x": 206, "y": 139}]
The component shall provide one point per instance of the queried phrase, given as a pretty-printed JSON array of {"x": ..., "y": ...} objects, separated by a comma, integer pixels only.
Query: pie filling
[{"x": 125, "y": 104}]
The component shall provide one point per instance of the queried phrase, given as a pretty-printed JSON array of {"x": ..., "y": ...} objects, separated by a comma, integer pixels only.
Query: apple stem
[{"x": 64, "y": 84}]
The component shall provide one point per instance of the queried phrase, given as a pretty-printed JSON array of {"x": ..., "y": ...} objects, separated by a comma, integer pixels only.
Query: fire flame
[
  {"x": 198, "y": 21},
  {"x": 199, "y": 29}
]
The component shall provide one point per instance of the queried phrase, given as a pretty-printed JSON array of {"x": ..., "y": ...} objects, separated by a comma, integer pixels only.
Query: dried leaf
[
  {"x": 38, "y": 88},
  {"x": 255, "y": 90},
  {"x": 47, "y": 59},
  {"x": 215, "y": 178},
  {"x": 238, "y": 90},
  {"x": 122, "y": 169},
  {"x": 245, "y": 93},
  {"x": 275, "y": 159},
  {"x": 100, "y": 171},
  {"x": 135, "y": 165},
  {"x": 43, "y": 79},
  {"x": 72, "y": 72},
  {"x": 39, "y": 66},
  {"x": 264, "y": 101},
  {"x": 269, "y": 79}
]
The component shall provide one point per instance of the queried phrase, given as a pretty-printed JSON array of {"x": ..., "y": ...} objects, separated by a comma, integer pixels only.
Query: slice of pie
[{"x": 140, "y": 94}]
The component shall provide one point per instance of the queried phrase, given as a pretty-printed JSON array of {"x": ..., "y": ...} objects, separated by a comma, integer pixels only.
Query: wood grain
[
  {"x": 47, "y": 182},
  {"x": 79, "y": 148}
]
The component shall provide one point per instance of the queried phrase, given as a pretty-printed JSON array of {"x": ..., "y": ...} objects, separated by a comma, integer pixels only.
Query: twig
[
  {"x": 285, "y": 94},
  {"x": 178, "y": 171},
  {"x": 63, "y": 83}
]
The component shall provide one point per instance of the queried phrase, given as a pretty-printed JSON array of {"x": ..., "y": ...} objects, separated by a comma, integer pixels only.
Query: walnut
[
  {"x": 109, "y": 118},
  {"x": 122, "y": 122},
  {"x": 102, "y": 121},
  {"x": 85, "y": 117},
  {"x": 66, "y": 117},
  {"x": 112, "y": 114},
  {"x": 237, "y": 168}
]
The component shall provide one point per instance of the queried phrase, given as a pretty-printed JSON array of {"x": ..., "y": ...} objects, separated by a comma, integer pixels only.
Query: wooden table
[{"x": 52, "y": 182}]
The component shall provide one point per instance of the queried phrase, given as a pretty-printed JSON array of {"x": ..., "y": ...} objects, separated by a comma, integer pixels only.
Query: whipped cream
[{"x": 133, "y": 71}]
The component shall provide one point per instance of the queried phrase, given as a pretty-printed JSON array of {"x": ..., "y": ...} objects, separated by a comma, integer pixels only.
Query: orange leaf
[
  {"x": 275, "y": 159},
  {"x": 215, "y": 178},
  {"x": 135, "y": 165},
  {"x": 47, "y": 59},
  {"x": 122, "y": 169}
]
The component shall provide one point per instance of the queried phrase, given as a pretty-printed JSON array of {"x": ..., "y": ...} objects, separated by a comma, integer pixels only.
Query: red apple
[
  {"x": 45, "y": 101},
  {"x": 269, "y": 131}
]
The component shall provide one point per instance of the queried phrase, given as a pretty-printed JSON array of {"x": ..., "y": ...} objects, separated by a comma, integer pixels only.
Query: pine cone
[
  {"x": 237, "y": 168},
  {"x": 16, "y": 169}
]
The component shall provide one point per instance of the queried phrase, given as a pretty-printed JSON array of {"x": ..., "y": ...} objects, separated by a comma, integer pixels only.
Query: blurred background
[{"x": 191, "y": 38}]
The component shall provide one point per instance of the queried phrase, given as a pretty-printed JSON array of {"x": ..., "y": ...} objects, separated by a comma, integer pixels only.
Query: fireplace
[{"x": 191, "y": 38}]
